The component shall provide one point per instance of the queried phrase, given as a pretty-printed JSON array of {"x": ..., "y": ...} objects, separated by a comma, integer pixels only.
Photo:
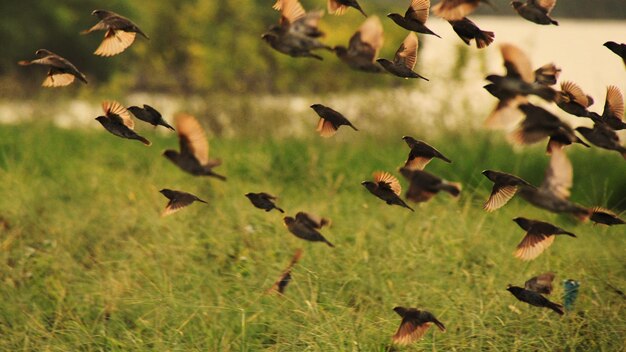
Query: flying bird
[
  {"x": 537, "y": 11},
  {"x": 404, "y": 60},
  {"x": 284, "y": 279},
  {"x": 330, "y": 120},
  {"x": 177, "y": 200},
  {"x": 541, "y": 283},
  {"x": 539, "y": 236},
  {"x": 421, "y": 154},
  {"x": 312, "y": 220},
  {"x": 414, "y": 18},
  {"x": 304, "y": 230},
  {"x": 386, "y": 187},
  {"x": 423, "y": 185},
  {"x": 468, "y": 30},
  {"x": 540, "y": 124},
  {"x": 613, "y": 113},
  {"x": 61, "y": 72},
  {"x": 605, "y": 217},
  {"x": 455, "y": 10},
  {"x": 504, "y": 188},
  {"x": 193, "y": 156},
  {"x": 573, "y": 100},
  {"x": 363, "y": 47},
  {"x": 339, "y": 7},
  {"x": 618, "y": 49},
  {"x": 603, "y": 136},
  {"x": 117, "y": 121},
  {"x": 547, "y": 74},
  {"x": 263, "y": 201},
  {"x": 150, "y": 115},
  {"x": 414, "y": 325},
  {"x": 120, "y": 32},
  {"x": 534, "y": 299}
]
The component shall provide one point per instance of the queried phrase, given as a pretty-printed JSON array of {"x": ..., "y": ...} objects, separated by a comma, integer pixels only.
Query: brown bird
[
  {"x": 504, "y": 188},
  {"x": 573, "y": 100},
  {"x": 194, "y": 149},
  {"x": 547, "y": 74},
  {"x": 603, "y": 136},
  {"x": 386, "y": 187},
  {"x": 120, "y": 32},
  {"x": 537, "y": 11},
  {"x": 605, "y": 217},
  {"x": 150, "y": 115},
  {"x": 263, "y": 201},
  {"x": 303, "y": 230},
  {"x": 364, "y": 47},
  {"x": 414, "y": 325},
  {"x": 330, "y": 120},
  {"x": 618, "y": 49},
  {"x": 534, "y": 299},
  {"x": 284, "y": 279},
  {"x": 423, "y": 185},
  {"x": 539, "y": 236},
  {"x": 404, "y": 60},
  {"x": 613, "y": 109},
  {"x": 540, "y": 124},
  {"x": 339, "y": 7},
  {"x": 61, "y": 72},
  {"x": 455, "y": 10},
  {"x": 540, "y": 283},
  {"x": 312, "y": 220},
  {"x": 421, "y": 154},
  {"x": 177, "y": 200},
  {"x": 414, "y": 18},
  {"x": 468, "y": 30},
  {"x": 117, "y": 120}
]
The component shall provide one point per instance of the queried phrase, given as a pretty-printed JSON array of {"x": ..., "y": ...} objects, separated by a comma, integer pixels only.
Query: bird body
[
  {"x": 603, "y": 136},
  {"x": 303, "y": 230},
  {"x": 364, "y": 47},
  {"x": 61, "y": 72},
  {"x": 118, "y": 122},
  {"x": 539, "y": 236},
  {"x": 263, "y": 201},
  {"x": 330, "y": 120},
  {"x": 119, "y": 32},
  {"x": 150, "y": 115},
  {"x": 537, "y": 11},
  {"x": 414, "y": 325},
  {"x": 421, "y": 154},
  {"x": 534, "y": 299},
  {"x": 386, "y": 187},
  {"x": 404, "y": 60},
  {"x": 178, "y": 200},
  {"x": 468, "y": 30},
  {"x": 415, "y": 17},
  {"x": 423, "y": 185}
]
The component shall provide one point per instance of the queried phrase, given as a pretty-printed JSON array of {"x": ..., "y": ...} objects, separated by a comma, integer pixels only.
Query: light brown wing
[
  {"x": 115, "y": 108},
  {"x": 196, "y": 142},
  {"x": 278, "y": 6},
  {"x": 547, "y": 5},
  {"x": 334, "y": 7},
  {"x": 312, "y": 220},
  {"x": 576, "y": 92},
  {"x": 499, "y": 197},
  {"x": 419, "y": 10},
  {"x": 545, "y": 279},
  {"x": 175, "y": 205},
  {"x": 407, "y": 53},
  {"x": 115, "y": 41},
  {"x": 506, "y": 114},
  {"x": 409, "y": 332},
  {"x": 517, "y": 61},
  {"x": 325, "y": 128},
  {"x": 559, "y": 174},
  {"x": 291, "y": 11},
  {"x": 454, "y": 10},
  {"x": 58, "y": 80},
  {"x": 532, "y": 246},
  {"x": 614, "y": 102},
  {"x": 417, "y": 163},
  {"x": 391, "y": 180},
  {"x": 372, "y": 33}
]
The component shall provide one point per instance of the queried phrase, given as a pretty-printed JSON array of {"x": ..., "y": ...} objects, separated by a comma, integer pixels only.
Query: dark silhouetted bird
[
  {"x": 468, "y": 30},
  {"x": 404, "y": 60},
  {"x": 539, "y": 236},
  {"x": 537, "y": 11},
  {"x": 421, "y": 154},
  {"x": 330, "y": 120},
  {"x": 613, "y": 112},
  {"x": 423, "y": 185},
  {"x": 540, "y": 124},
  {"x": 605, "y": 217},
  {"x": 303, "y": 230},
  {"x": 504, "y": 188},
  {"x": 414, "y": 325},
  {"x": 603, "y": 136},
  {"x": 547, "y": 74},
  {"x": 120, "y": 32},
  {"x": 386, "y": 187},
  {"x": 364, "y": 47},
  {"x": 61, "y": 72},
  {"x": 194, "y": 149},
  {"x": 312, "y": 220},
  {"x": 284, "y": 279},
  {"x": 339, "y": 7},
  {"x": 573, "y": 100},
  {"x": 454, "y": 10},
  {"x": 263, "y": 201},
  {"x": 619, "y": 49},
  {"x": 534, "y": 299},
  {"x": 177, "y": 200},
  {"x": 150, "y": 115},
  {"x": 117, "y": 120},
  {"x": 414, "y": 18},
  {"x": 540, "y": 283}
]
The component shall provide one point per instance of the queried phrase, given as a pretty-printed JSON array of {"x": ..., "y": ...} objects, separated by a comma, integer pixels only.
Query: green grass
[{"x": 87, "y": 263}]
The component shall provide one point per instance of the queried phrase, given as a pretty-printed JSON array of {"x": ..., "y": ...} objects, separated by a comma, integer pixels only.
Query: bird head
[
  {"x": 249, "y": 195},
  {"x": 101, "y": 13},
  {"x": 317, "y": 107},
  {"x": 400, "y": 310},
  {"x": 288, "y": 220},
  {"x": 384, "y": 62},
  {"x": 489, "y": 174},
  {"x": 101, "y": 118},
  {"x": 171, "y": 154},
  {"x": 517, "y": 4},
  {"x": 410, "y": 141},
  {"x": 395, "y": 17},
  {"x": 369, "y": 185},
  {"x": 509, "y": 287},
  {"x": 522, "y": 222},
  {"x": 43, "y": 52}
]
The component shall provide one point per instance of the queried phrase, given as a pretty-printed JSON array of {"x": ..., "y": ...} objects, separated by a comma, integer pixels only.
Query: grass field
[{"x": 87, "y": 264}]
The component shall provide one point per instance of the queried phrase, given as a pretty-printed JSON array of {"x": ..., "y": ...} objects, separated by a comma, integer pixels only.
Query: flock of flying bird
[{"x": 297, "y": 35}]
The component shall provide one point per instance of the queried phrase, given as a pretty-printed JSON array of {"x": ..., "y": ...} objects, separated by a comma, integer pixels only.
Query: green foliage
[{"x": 87, "y": 264}]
